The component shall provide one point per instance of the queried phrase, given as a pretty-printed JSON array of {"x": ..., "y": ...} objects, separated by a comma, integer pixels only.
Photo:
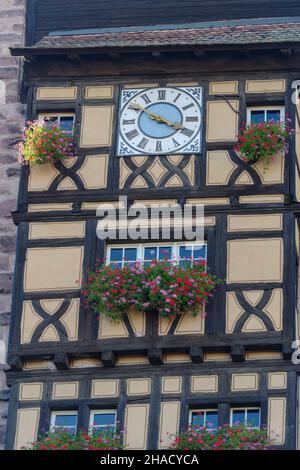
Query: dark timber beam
[
  {"x": 108, "y": 359},
  {"x": 155, "y": 357},
  {"x": 196, "y": 353},
  {"x": 237, "y": 353},
  {"x": 61, "y": 361}
]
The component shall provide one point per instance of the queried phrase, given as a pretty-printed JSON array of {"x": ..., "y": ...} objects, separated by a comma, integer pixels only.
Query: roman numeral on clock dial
[
  {"x": 158, "y": 147},
  {"x": 161, "y": 94},
  {"x": 143, "y": 143},
  {"x": 146, "y": 98},
  {"x": 132, "y": 134},
  {"x": 187, "y": 132},
  {"x": 192, "y": 119},
  {"x": 128, "y": 121},
  {"x": 188, "y": 106}
]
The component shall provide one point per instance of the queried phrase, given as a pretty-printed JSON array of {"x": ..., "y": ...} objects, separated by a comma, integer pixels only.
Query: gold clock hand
[{"x": 157, "y": 117}]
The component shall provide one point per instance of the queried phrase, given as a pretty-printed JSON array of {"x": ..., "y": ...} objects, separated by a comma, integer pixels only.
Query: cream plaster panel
[
  {"x": 30, "y": 320},
  {"x": 253, "y": 296},
  {"x": 138, "y": 321},
  {"x": 65, "y": 390},
  {"x": 39, "y": 230},
  {"x": 85, "y": 362},
  {"x": 136, "y": 425},
  {"x": 274, "y": 174},
  {"x": 246, "y": 223},
  {"x": 52, "y": 269},
  {"x": 88, "y": 206},
  {"x": 93, "y": 172},
  {"x": 244, "y": 178},
  {"x": 183, "y": 84},
  {"x": 223, "y": 88},
  {"x": 177, "y": 357},
  {"x": 51, "y": 305},
  {"x": 124, "y": 172},
  {"x": 38, "y": 364},
  {"x": 99, "y": 92},
  {"x": 265, "y": 86},
  {"x": 209, "y": 201},
  {"x": 263, "y": 355},
  {"x": 277, "y": 380},
  {"x": 276, "y": 419},
  {"x": 217, "y": 356},
  {"x": 154, "y": 202},
  {"x": 255, "y": 260},
  {"x": 157, "y": 170},
  {"x": 139, "y": 182},
  {"x": 68, "y": 162},
  {"x": 233, "y": 311},
  {"x": 204, "y": 384},
  {"x": 41, "y": 177},
  {"x": 49, "y": 334},
  {"x": 189, "y": 324},
  {"x": 67, "y": 184},
  {"x": 253, "y": 325},
  {"x": 274, "y": 309},
  {"x": 262, "y": 199},
  {"x": 189, "y": 170},
  {"x": 173, "y": 182},
  {"x": 132, "y": 360},
  {"x": 219, "y": 167},
  {"x": 140, "y": 85},
  {"x": 169, "y": 422},
  {"x": 243, "y": 382},
  {"x": 138, "y": 386},
  {"x": 111, "y": 329},
  {"x": 53, "y": 207},
  {"x": 164, "y": 324},
  {"x": 27, "y": 427},
  {"x": 97, "y": 124},
  {"x": 57, "y": 93},
  {"x": 171, "y": 384},
  {"x": 31, "y": 391},
  {"x": 105, "y": 388},
  {"x": 71, "y": 320},
  {"x": 222, "y": 121}
]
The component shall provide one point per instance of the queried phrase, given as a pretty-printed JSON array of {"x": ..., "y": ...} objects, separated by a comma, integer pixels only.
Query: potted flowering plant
[
  {"x": 42, "y": 143},
  {"x": 161, "y": 286},
  {"x": 64, "y": 440},
  {"x": 236, "y": 437},
  {"x": 264, "y": 141}
]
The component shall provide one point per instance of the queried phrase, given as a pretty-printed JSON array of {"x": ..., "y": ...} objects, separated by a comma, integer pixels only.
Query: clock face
[{"x": 157, "y": 121}]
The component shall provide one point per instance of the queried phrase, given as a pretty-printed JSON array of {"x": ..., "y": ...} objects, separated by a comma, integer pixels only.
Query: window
[
  {"x": 208, "y": 418},
  {"x": 65, "y": 120},
  {"x": 183, "y": 252},
  {"x": 64, "y": 420},
  {"x": 249, "y": 416},
  {"x": 102, "y": 420},
  {"x": 263, "y": 114}
]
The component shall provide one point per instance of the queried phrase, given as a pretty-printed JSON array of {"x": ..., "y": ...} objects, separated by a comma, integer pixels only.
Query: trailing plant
[
  {"x": 237, "y": 437},
  {"x": 42, "y": 143},
  {"x": 264, "y": 141},
  {"x": 64, "y": 440},
  {"x": 161, "y": 286}
]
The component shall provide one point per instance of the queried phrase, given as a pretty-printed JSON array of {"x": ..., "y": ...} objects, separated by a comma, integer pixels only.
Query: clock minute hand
[{"x": 157, "y": 117}]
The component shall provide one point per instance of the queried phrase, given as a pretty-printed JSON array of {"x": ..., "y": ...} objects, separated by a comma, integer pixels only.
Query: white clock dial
[{"x": 157, "y": 121}]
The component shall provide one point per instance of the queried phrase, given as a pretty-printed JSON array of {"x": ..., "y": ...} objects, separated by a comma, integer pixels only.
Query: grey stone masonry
[{"x": 12, "y": 27}]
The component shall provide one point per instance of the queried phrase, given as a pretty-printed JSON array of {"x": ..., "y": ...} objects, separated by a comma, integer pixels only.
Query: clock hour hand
[{"x": 157, "y": 117}]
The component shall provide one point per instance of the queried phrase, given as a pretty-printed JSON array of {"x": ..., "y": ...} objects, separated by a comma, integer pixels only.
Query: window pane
[
  {"x": 274, "y": 115},
  {"x": 200, "y": 252},
  {"x": 104, "y": 419},
  {"x": 150, "y": 253},
  {"x": 66, "y": 123},
  {"x": 50, "y": 120},
  {"x": 165, "y": 252},
  {"x": 130, "y": 254},
  {"x": 212, "y": 419},
  {"x": 258, "y": 116},
  {"x": 116, "y": 254},
  {"x": 185, "y": 252},
  {"x": 197, "y": 419},
  {"x": 238, "y": 416},
  {"x": 65, "y": 420},
  {"x": 253, "y": 418}
]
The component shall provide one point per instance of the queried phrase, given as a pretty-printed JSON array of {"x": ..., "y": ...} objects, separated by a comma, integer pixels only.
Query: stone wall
[{"x": 12, "y": 25}]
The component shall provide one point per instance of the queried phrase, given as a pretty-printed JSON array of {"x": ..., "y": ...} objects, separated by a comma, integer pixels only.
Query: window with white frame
[
  {"x": 63, "y": 421},
  {"x": 101, "y": 420},
  {"x": 184, "y": 253},
  {"x": 249, "y": 416},
  {"x": 64, "y": 120},
  {"x": 204, "y": 418},
  {"x": 257, "y": 114}
]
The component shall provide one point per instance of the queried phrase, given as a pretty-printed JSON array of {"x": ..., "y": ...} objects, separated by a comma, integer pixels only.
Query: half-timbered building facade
[{"x": 150, "y": 374}]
